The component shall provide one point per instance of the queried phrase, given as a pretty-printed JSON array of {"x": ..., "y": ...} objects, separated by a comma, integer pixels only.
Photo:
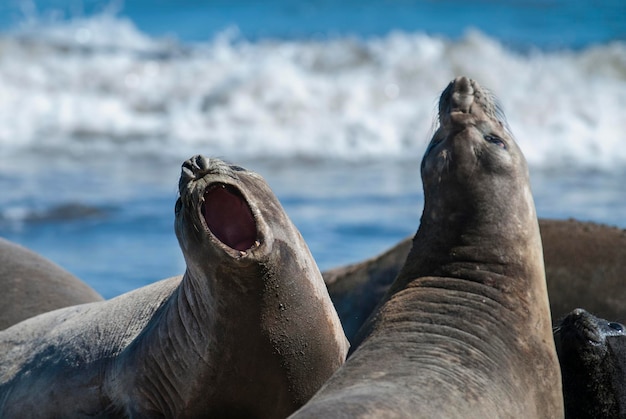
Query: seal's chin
[{"x": 229, "y": 217}]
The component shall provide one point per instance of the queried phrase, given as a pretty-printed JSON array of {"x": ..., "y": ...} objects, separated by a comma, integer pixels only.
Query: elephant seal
[
  {"x": 585, "y": 266},
  {"x": 32, "y": 284},
  {"x": 465, "y": 329},
  {"x": 592, "y": 354},
  {"x": 249, "y": 331}
]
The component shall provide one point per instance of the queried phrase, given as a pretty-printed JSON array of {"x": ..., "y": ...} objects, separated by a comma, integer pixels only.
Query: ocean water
[{"x": 332, "y": 102}]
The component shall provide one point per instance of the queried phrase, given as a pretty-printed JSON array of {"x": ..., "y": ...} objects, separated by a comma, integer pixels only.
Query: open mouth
[{"x": 229, "y": 217}]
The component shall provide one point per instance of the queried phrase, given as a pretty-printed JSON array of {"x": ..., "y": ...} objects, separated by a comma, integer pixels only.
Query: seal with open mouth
[
  {"x": 592, "y": 354},
  {"x": 465, "y": 329},
  {"x": 249, "y": 331}
]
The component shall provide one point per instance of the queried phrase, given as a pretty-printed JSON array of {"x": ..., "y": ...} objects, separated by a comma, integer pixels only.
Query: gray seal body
[
  {"x": 465, "y": 329},
  {"x": 32, "y": 284},
  {"x": 249, "y": 330}
]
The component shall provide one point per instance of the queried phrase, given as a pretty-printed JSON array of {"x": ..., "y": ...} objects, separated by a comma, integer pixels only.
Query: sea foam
[{"x": 99, "y": 87}]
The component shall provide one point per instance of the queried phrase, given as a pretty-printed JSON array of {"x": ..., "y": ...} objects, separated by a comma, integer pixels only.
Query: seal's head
[
  {"x": 214, "y": 207},
  {"x": 472, "y": 162},
  {"x": 217, "y": 214},
  {"x": 226, "y": 214},
  {"x": 588, "y": 330},
  {"x": 478, "y": 204},
  {"x": 592, "y": 354}
]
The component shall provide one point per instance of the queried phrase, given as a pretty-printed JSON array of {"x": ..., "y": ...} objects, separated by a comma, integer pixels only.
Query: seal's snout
[
  {"x": 198, "y": 166},
  {"x": 462, "y": 95},
  {"x": 463, "y": 84},
  {"x": 192, "y": 169},
  {"x": 582, "y": 324},
  {"x": 586, "y": 326},
  {"x": 457, "y": 100},
  {"x": 229, "y": 217}
]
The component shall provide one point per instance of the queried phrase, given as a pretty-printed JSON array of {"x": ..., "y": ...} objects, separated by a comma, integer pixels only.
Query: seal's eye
[
  {"x": 495, "y": 140},
  {"x": 616, "y": 326}
]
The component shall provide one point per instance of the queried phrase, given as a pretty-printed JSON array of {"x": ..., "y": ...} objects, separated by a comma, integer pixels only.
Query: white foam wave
[{"x": 98, "y": 86}]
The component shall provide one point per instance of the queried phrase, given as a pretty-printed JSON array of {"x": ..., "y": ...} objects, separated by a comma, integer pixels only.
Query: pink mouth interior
[{"x": 228, "y": 217}]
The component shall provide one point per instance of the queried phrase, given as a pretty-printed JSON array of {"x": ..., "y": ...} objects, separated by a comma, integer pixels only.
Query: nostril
[
  {"x": 202, "y": 162},
  {"x": 462, "y": 95}
]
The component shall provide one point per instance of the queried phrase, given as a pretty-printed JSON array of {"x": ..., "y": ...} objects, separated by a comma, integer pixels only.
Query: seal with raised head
[
  {"x": 32, "y": 284},
  {"x": 585, "y": 267},
  {"x": 592, "y": 355},
  {"x": 249, "y": 331},
  {"x": 465, "y": 329}
]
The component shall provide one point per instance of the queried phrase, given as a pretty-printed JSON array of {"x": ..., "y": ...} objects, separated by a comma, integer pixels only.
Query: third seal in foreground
[{"x": 592, "y": 353}]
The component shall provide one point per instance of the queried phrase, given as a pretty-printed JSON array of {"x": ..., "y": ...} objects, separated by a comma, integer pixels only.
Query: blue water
[
  {"x": 332, "y": 102},
  {"x": 520, "y": 23}
]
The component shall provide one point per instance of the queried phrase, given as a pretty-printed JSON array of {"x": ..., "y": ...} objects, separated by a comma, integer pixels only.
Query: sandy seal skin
[
  {"x": 32, "y": 284},
  {"x": 465, "y": 330},
  {"x": 585, "y": 267},
  {"x": 592, "y": 354},
  {"x": 249, "y": 331}
]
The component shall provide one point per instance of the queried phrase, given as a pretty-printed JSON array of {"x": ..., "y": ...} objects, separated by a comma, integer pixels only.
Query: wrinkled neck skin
[
  {"x": 179, "y": 365},
  {"x": 485, "y": 265},
  {"x": 494, "y": 243}
]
